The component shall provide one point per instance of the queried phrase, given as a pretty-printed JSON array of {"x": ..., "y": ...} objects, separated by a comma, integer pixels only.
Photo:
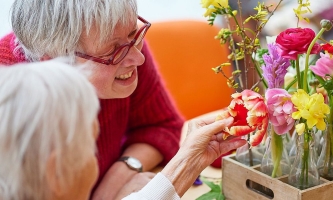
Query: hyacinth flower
[
  {"x": 275, "y": 67},
  {"x": 249, "y": 111}
]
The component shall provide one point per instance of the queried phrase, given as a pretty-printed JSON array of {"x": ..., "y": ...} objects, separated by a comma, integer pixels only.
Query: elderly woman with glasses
[
  {"x": 139, "y": 125},
  {"x": 48, "y": 131}
]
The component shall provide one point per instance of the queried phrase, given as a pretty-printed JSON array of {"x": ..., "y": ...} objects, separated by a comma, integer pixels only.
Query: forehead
[{"x": 96, "y": 39}]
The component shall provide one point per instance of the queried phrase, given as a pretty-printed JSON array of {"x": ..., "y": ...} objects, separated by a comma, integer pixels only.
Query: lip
[{"x": 128, "y": 81}]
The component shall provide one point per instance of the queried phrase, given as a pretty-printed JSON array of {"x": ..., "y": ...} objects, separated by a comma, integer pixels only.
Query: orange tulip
[{"x": 250, "y": 114}]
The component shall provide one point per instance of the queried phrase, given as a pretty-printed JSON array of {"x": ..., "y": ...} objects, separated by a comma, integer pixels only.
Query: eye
[{"x": 109, "y": 53}]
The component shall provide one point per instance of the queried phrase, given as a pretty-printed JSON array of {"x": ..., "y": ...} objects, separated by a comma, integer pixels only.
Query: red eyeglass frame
[{"x": 129, "y": 45}]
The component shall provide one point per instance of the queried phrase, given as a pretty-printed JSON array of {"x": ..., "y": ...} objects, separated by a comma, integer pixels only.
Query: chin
[{"x": 116, "y": 95}]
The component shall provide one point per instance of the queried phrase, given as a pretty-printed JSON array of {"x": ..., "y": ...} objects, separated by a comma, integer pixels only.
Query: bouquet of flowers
[{"x": 299, "y": 102}]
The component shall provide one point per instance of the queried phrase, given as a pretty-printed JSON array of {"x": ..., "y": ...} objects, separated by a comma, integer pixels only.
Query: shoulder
[{"x": 9, "y": 54}]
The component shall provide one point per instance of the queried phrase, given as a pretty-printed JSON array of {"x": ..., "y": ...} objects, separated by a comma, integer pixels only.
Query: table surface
[{"x": 210, "y": 173}]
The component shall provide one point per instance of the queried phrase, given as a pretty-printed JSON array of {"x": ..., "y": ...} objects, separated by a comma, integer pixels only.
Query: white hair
[
  {"x": 44, "y": 107},
  {"x": 54, "y": 27}
]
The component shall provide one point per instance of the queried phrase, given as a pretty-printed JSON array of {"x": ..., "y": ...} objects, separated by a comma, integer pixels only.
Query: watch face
[{"x": 135, "y": 163}]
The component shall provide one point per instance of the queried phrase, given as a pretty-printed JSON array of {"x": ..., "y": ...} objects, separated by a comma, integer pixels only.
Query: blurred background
[
  {"x": 161, "y": 10},
  {"x": 185, "y": 50},
  {"x": 152, "y": 10}
]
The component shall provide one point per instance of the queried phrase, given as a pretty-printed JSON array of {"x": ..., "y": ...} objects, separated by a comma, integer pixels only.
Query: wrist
[
  {"x": 131, "y": 162},
  {"x": 116, "y": 177},
  {"x": 182, "y": 172}
]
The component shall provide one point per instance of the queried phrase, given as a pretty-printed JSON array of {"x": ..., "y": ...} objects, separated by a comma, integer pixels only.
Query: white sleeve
[{"x": 158, "y": 188}]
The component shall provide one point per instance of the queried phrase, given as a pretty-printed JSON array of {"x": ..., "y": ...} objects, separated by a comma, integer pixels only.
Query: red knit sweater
[{"x": 147, "y": 116}]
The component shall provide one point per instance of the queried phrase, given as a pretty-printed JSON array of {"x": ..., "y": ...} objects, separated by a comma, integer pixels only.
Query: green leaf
[
  {"x": 211, "y": 196},
  {"x": 214, "y": 193},
  {"x": 213, "y": 186}
]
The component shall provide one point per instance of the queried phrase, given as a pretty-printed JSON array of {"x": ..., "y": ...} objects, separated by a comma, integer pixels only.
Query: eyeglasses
[{"x": 119, "y": 53}]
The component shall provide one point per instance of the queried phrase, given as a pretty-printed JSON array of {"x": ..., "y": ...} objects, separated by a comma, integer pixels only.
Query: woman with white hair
[
  {"x": 48, "y": 129},
  {"x": 138, "y": 121}
]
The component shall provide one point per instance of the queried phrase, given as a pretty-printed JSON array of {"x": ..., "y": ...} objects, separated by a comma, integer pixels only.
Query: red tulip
[{"x": 250, "y": 115}]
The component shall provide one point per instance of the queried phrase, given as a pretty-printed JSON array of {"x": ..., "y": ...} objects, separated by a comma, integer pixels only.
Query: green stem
[
  {"x": 305, "y": 84},
  {"x": 298, "y": 72},
  {"x": 329, "y": 141},
  {"x": 277, "y": 150},
  {"x": 291, "y": 84},
  {"x": 303, "y": 181},
  {"x": 260, "y": 75}
]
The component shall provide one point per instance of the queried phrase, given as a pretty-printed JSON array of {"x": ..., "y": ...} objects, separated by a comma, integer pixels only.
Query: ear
[{"x": 52, "y": 178}]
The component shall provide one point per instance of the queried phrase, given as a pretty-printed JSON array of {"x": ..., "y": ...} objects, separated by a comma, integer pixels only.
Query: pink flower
[
  {"x": 250, "y": 114},
  {"x": 324, "y": 66},
  {"x": 294, "y": 41},
  {"x": 280, "y": 109}
]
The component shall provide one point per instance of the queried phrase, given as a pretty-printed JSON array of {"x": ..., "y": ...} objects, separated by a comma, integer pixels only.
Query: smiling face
[{"x": 113, "y": 81}]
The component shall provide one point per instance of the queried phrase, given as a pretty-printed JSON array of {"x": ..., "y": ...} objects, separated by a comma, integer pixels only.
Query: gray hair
[
  {"x": 54, "y": 27},
  {"x": 44, "y": 107}
]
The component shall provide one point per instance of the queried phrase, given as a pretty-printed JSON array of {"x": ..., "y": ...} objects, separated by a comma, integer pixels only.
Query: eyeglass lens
[{"x": 123, "y": 52}]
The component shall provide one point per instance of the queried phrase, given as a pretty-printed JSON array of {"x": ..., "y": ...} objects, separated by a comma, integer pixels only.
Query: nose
[{"x": 134, "y": 56}]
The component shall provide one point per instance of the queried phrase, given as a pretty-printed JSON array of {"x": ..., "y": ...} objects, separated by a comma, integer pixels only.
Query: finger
[
  {"x": 202, "y": 121},
  {"x": 217, "y": 126},
  {"x": 231, "y": 145},
  {"x": 219, "y": 137}
]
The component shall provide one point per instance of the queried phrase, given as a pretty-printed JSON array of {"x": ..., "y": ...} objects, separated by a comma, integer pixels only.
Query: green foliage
[{"x": 214, "y": 194}]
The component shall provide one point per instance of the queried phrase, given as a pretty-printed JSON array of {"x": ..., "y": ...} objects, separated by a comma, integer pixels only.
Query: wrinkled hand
[
  {"x": 135, "y": 184},
  {"x": 204, "y": 139}
]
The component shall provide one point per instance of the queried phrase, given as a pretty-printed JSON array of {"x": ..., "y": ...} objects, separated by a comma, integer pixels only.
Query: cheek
[{"x": 102, "y": 77}]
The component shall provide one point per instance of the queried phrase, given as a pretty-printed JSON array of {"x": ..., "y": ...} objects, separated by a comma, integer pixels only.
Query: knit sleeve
[
  {"x": 153, "y": 119},
  {"x": 158, "y": 188}
]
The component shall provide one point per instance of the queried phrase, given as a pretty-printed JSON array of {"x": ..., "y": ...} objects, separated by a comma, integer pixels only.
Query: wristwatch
[{"x": 132, "y": 163}]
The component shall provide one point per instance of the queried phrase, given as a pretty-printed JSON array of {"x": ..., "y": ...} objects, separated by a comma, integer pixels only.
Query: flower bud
[{"x": 326, "y": 24}]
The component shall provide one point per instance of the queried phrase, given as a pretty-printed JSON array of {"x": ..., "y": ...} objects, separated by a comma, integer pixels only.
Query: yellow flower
[
  {"x": 209, "y": 11},
  {"x": 299, "y": 12},
  {"x": 216, "y": 3},
  {"x": 300, "y": 128},
  {"x": 211, "y": 5},
  {"x": 311, "y": 108}
]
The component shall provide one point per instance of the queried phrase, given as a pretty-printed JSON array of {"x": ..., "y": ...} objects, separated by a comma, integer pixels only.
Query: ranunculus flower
[
  {"x": 280, "y": 109},
  {"x": 295, "y": 41},
  {"x": 328, "y": 47},
  {"x": 311, "y": 108},
  {"x": 324, "y": 66},
  {"x": 250, "y": 114}
]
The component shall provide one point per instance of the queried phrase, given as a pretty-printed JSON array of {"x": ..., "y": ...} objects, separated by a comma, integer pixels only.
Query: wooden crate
[{"x": 240, "y": 182}]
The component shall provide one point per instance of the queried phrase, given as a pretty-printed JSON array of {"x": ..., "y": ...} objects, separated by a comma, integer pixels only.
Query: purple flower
[{"x": 275, "y": 67}]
